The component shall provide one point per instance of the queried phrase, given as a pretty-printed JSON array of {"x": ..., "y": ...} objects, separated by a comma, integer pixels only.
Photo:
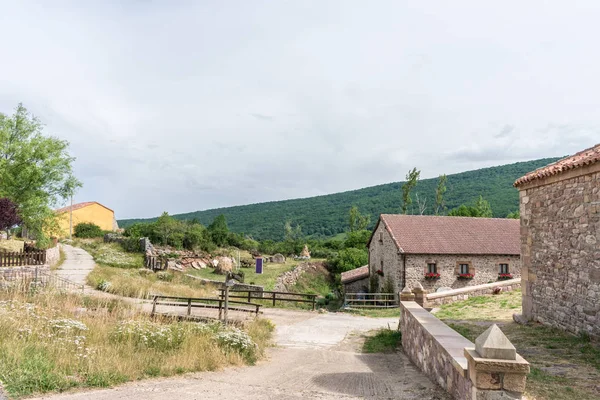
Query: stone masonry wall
[
  {"x": 435, "y": 349},
  {"x": 53, "y": 255},
  {"x": 560, "y": 246},
  {"x": 484, "y": 267},
  {"x": 384, "y": 255},
  {"x": 358, "y": 286},
  {"x": 437, "y": 299}
]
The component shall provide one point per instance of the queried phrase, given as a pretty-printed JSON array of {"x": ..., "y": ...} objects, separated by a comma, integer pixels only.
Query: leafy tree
[
  {"x": 219, "y": 232},
  {"x": 9, "y": 215},
  {"x": 357, "y": 221},
  {"x": 86, "y": 230},
  {"x": 439, "y": 194},
  {"x": 35, "y": 170},
  {"x": 483, "y": 208},
  {"x": 292, "y": 234},
  {"x": 412, "y": 177},
  {"x": 514, "y": 215},
  {"x": 165, "y": 227},
  {"x": 357, "y": 239},
  {"x": 348, "y": 259}
]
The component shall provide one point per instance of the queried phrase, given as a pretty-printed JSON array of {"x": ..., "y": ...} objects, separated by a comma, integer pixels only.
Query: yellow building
[{"x": 90, "y": 211}]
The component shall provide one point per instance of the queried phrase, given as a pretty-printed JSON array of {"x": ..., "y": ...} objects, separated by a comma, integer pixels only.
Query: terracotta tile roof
[
  {"x": 581, "y": 159},
  {"x": 355, "y": 274},
  {"x": 427, "y": 234},
  {"x": 77, "y": 207}
]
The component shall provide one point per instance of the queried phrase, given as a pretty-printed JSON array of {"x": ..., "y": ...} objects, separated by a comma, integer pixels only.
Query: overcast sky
[{"x": 183, "y": 106}]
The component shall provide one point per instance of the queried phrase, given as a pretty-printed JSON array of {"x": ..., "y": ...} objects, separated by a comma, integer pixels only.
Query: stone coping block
[
  {"x": 468, "y": 289},
  {"x": 494, "y": 344},
  {"x": 453, "y": 342},
  {"x": 517, "y": 366}
]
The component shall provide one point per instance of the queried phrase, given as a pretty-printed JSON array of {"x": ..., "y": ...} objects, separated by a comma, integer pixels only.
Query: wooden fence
[
  {"x": 20, "y": 259},
  {"x": 155, "y": 263},
  {"x": 195, "y": 302},
  {"x": 371, "y": 300},
  {"x": 272, "y": 296}
]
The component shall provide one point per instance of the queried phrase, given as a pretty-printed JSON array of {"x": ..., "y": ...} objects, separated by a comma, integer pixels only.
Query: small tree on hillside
[
  {"x": 164, "y": 227},
  {"x": 483, "y": 208},
  {"x": 411, "y": 181},
  {"x": 9, "y": 215},
  {"x": 219, "y": 232},
  {"x": 439, "y": 195},
  {"x": 357, "y": 221}
]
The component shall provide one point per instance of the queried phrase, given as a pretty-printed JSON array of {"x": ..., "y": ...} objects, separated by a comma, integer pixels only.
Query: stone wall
[
  {"x": 383, "y": 255},
  {"x": 236, "y": 286},
  {"x": 560, "y": 247},
  {"x": 450, "y": 296},
  {"x": 10, "y": 275},
  {"x": 484, "y": 267},
  {"x": 487, "y": 370},
  {"x": 288, "y": 279},
  {"x": 435, "y": 349},
  {"x": 53, "y": 255},
  {"x": 358, "y": 286}
]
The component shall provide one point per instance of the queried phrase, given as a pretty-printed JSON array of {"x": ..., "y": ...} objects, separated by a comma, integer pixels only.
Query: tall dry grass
[
  {"x": 141, "y": 284},
  {"x": 54, "y": 341}
]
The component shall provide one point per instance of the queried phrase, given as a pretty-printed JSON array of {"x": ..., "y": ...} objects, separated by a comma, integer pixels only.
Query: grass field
[
  {"x": 383, "y": 341},
  {"x": 563, "y": 367},
  {"x": 51, "y": 342},
  {"x": 267, "y": 279}
]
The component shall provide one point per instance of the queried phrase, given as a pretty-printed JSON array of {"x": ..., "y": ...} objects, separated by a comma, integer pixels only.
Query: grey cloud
[{"x": 212, "y": 104}]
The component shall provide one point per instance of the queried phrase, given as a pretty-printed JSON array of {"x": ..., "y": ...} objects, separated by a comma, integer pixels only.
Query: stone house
[
  {"x": 404, "y": 248},
  {"x": 356, "y": 280},
  {"x": 560, "y": 243}
]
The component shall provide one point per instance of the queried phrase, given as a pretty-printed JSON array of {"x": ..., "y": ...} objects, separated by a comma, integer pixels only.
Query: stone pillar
[
  {"x": 407, "y": 294},
  {"x": 420, "y": 295},
  {"x": 495, "y": 368}
]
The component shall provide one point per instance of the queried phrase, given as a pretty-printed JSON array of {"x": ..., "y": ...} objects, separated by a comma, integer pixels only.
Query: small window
[
  {"x": 464, "y": 268},
  {"x": 432, "y": 268},
  {"x": 504, "y": 268},
  {"x": 381, "y": 265},
  {"x": 381, "y": 236}
]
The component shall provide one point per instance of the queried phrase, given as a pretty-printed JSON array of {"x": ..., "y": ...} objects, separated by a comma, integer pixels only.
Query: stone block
[
  {"x": 479, "y": 394},
  {"x": 488, "y": 380},
  {"x": 514, "y": 382}
]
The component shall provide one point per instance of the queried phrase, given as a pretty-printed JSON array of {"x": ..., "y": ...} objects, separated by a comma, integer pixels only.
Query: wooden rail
[
  {"x": 196, "y": 302},
  {"x": 19, "y": 258},
  {"x": 371, "y": 300},
  {"x": 272, "y": 296}
]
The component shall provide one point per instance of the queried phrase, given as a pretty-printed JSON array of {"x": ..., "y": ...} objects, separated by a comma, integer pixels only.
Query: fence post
[
  {"x": 314, "y": 302},
  {"x": 220, "y": 310},
  {"x": 36, "y": 275},
  {"x": 274, "y": 294},
  {"x": 249, "y": 298},
  {"x": 153, "y": 306},
  {"x": 189, "y": 306}
]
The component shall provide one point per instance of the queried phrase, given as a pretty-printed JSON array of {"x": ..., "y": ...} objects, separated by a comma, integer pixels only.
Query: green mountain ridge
[{"x": 327, "y": 215}]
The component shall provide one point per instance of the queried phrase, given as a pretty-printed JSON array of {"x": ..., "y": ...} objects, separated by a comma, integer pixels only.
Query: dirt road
[{"x": 317, "y": 357}]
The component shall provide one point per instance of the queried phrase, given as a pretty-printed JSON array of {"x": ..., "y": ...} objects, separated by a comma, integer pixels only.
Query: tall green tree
[
  {"x": 483, "y": 208},
  {"x": 165, "y": 226},
  {"x": 357, "y": 221},
  {"x": 219, "y": 232},
  {"x": 36, "y": 170},
  {"x": 412, "y": 177},
  {"x": 439, "y": 194}
]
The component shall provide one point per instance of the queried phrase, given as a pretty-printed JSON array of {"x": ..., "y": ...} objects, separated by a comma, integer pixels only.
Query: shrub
[
  {"x": 349, "y": 259},
  {"x": 88, "y": 230}
]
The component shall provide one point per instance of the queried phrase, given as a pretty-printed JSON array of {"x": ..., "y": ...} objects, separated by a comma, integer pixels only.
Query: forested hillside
[{"x": 327, "y": 215}]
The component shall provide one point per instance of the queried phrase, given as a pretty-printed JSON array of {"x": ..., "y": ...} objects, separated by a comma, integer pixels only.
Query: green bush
[
  {"x": 349, "y": 259},
  {"x": 88, "y": 230}
]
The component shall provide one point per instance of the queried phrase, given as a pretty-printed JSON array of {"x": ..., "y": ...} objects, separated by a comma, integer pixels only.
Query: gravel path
[{"x": 78, "y": 264}]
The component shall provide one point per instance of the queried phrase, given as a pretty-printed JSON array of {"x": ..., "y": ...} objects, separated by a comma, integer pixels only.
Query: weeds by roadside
[
  {"x": 384, "y": 341},
  {"x": 53, "y": 342}
]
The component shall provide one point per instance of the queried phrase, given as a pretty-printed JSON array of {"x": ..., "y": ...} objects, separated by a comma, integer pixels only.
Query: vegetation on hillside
[
  {"x": 51, "y": 342},
  {"x": 326, "y": 216}
]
